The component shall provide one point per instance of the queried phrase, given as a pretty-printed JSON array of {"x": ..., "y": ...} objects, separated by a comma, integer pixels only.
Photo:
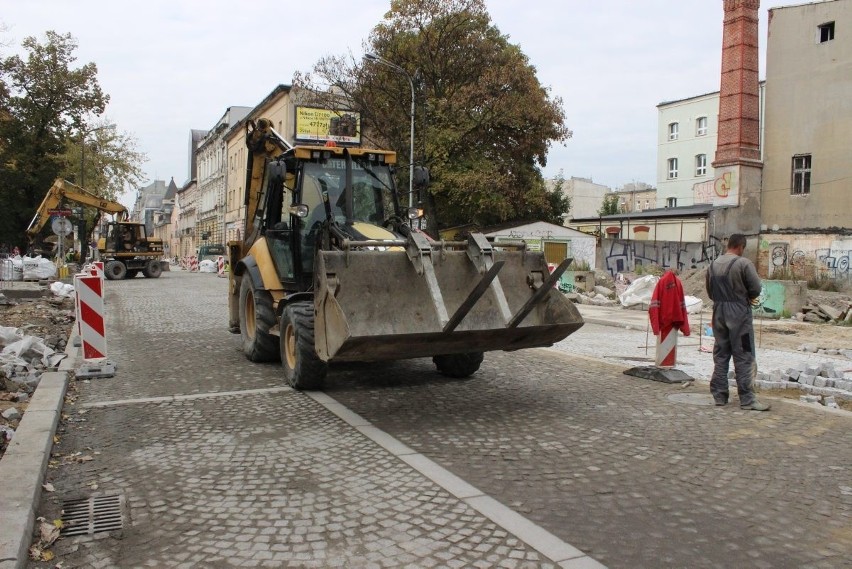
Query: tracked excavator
[
  {"x": 330, "y": 270},
  {"x": 124, "y": 245}
]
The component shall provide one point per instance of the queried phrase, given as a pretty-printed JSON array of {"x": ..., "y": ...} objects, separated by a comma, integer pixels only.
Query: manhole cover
[
  {"x": 691, "y": 398},
  {"x": 87, "y": 516}
]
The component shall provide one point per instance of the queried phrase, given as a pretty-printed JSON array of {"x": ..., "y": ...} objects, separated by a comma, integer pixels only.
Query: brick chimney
[
  {"x": 739, "y": 100},
  {"x": 738, "y": 167}
]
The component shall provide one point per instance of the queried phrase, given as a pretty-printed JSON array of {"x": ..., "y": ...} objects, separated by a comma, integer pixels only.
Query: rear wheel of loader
[
  {"x": 302, "y": 368},
  {"x": 152, "y": 269},
  {"x": 458, "y": 365},
  {"x": 115, "y": 270},
  {"x": 256, "y": 318}
]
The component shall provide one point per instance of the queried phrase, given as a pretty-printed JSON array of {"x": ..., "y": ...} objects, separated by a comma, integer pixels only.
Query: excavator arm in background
[{"x": 63, "y": 189}]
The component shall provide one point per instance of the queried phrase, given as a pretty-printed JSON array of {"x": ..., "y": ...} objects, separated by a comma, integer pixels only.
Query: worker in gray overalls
[{"x": 734, "y": 287}]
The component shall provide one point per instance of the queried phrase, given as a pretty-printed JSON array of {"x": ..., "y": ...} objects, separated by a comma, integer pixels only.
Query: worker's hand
[{"x": 754, "y": 301}]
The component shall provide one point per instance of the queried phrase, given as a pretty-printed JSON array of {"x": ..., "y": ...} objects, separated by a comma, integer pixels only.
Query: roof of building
[
  {"x": 697, "y": 210},
  {"x": 171, "y": 190}
]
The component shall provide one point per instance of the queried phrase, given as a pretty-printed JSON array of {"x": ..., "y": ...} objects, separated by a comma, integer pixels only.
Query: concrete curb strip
[{"x": 24, "y": 464}]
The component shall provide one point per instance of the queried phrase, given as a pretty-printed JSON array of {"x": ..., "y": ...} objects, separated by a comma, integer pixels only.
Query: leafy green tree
[
  {"x": 46, "y": 105},
  {"x": 609, "y": 206},
  {"x": 484, "y": 122}
]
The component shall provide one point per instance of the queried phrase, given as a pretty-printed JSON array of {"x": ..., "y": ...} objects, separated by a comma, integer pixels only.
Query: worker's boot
[{"x": 755, "y": 406}]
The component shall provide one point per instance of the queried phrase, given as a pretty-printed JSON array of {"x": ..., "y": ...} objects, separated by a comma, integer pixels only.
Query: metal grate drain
[{"x": 87, "y": 516}]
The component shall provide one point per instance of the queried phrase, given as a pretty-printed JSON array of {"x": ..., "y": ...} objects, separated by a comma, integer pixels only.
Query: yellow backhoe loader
[
  {"x": 331, "y": 271},
  {"x": 124, "y": 245}
]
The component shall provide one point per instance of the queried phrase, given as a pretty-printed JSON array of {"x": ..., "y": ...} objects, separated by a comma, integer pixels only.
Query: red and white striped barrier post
[
  {"x": 667, "y": 347},
  {"x": 89, "y": 295},
  {"x": 193, "y": 264},
  {"x": 220, "y": 266}
]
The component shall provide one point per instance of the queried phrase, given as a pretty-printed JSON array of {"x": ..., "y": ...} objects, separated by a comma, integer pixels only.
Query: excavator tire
[
  {"x": 458, "y": 366},
  {"x": 131, "y": 273},
  {"x": 256, "y": 318},
  {"x": 302, "y": 368},
  {"x": 152, "y": 269},
  {"x": 115, "y": 270}
]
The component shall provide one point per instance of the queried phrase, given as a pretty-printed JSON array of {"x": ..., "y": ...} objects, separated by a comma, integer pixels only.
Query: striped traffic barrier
[
  {"x": 666, "y": 355},
  {"x": 89, "y": 296},
  {"x": 220, "y": 266},
  {"x": 193, "y": 264}
]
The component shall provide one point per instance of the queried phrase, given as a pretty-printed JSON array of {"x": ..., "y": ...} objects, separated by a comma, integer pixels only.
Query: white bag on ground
[
  {"x": 693, "y": 304},
  {"x": 38, "y": 268},
  {"x": 207, "y": 266},
  {"x": 640, "y": 291},
  {"x": 62, "y": 289}
]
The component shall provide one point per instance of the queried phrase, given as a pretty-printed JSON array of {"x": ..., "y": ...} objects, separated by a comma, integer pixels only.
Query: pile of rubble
[
  {"x": 600, "y": 296},
  {"x": 826, "y": 313},
  {"x": 34, "y": 343},
  {"x": 821, "y": 380}
]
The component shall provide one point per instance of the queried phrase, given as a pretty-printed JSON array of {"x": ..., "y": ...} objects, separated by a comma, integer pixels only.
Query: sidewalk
[{"x": 632, "y": 343}]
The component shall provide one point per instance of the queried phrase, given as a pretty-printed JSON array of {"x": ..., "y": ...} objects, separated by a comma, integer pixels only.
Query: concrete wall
[
  {"x": 806, "y": 256},
  {"x": 808, "y": 111},
  {"x": 621, "y": 255},
  {"x": 781, "y": 299}
]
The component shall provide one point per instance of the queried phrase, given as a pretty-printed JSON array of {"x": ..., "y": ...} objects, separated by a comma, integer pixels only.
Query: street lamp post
[{"x": 398, "y": 69}]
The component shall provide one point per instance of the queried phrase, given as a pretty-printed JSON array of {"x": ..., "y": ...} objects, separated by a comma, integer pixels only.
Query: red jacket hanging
[{"x": 668, "y": 306}]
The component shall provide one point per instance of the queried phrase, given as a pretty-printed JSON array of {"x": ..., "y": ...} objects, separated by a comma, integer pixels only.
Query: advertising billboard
[{"x": 319, "y": 125}]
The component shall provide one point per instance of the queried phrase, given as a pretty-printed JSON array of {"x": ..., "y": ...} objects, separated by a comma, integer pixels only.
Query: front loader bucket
[{"x": 383, "y": 304}]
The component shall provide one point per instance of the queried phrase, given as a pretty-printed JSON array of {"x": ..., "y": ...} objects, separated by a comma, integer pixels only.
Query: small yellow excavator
[
  {"x": 124, "y": 245},
  {"x": 330, "y": 270}
]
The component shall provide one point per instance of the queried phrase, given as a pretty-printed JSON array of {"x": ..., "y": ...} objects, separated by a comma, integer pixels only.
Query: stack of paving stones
[
  {"x": 822, "y": 313},
  {"x": 821, "y": 383}
]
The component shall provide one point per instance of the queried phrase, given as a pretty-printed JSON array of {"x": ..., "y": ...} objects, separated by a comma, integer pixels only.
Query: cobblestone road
[{"x": 606, "y": 462}]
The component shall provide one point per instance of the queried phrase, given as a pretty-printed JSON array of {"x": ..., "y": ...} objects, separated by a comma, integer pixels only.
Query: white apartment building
[{"x": 686, "y": 147}]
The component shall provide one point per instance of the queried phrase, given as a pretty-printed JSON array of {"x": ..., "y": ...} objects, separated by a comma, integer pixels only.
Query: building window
[
  {"x": 801, "y": 175},
  {"x": 638, "y": 205},
  {"x": 672, "y": 168},
  {"x": 700, "y": 164},
  {"x": 671, "y": 202},
  {"x": 701, "y": 126},
  {"x": 825, "y": 32},
  {"x": 647, "y": 204},
  {"x": 673, "y": 129}
]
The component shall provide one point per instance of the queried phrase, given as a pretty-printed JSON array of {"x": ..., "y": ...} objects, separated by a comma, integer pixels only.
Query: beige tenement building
[
  {"x": 807, "y": 176},
  {"x": 806, "y": 205}
]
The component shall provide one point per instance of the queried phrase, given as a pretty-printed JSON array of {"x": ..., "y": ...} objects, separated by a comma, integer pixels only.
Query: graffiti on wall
[
  {"x": 721, "y": 190},
  {"x": 810, "y": 257},
  {"x": 834, "y": 263},
  {"x": 621, "y": 255}
]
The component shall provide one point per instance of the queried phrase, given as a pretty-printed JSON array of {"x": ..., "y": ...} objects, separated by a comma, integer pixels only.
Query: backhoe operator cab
[
  {"x": 330, "y": 271},
  {"x": 315, "y": 199}
]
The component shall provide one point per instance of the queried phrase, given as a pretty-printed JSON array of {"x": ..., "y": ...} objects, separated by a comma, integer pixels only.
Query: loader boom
[{"x": 63, "y": 189}]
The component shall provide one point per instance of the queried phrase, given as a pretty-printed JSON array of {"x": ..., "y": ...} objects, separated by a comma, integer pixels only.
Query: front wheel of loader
[
  {"x": 302, "y": 368},
  {"x": 458, "y": 365},
  {"x": 256, "y": 318},
  {"x": 152, "y": 269},
  {"x": 115, "y": 270}
]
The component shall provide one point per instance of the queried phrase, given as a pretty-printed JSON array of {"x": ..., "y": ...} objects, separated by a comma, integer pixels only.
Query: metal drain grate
[{"x": 87, "y": 516}]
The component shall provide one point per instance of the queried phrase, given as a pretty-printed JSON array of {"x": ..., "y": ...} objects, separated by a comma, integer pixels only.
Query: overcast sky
[{"x": 173, "y": 65}]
